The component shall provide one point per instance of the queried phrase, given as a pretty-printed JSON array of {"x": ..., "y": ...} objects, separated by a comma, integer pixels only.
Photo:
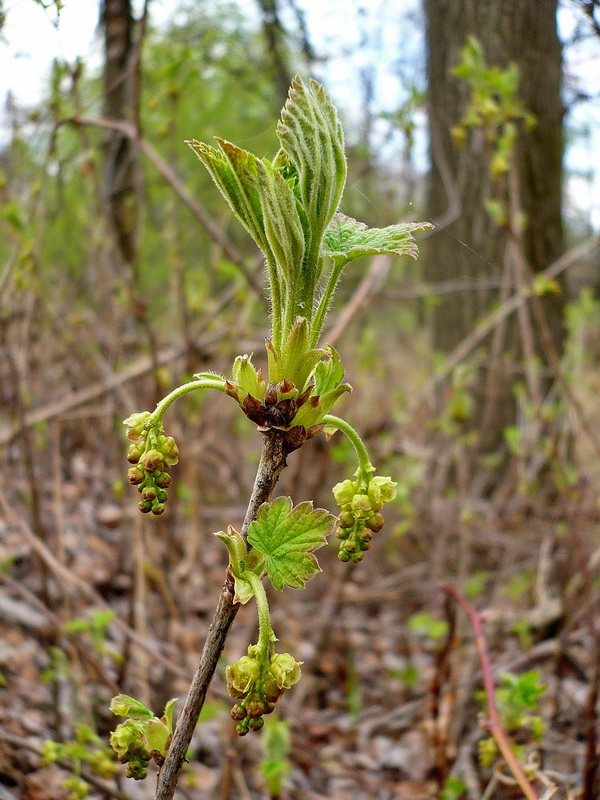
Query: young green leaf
[
  {"x": 287, "y": 536},
  {"x": 125, "y": 706},
  {"x": 313, "y": 141},
  {"x": 235, "y": 172},
  {"x": 346, "y": 239}
]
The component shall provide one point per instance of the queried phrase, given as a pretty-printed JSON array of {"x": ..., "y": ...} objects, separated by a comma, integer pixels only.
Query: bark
[
  {"x": 525, "y": 33},
  {"x": 272, "y": 462},
  {"x": 275, "y": 38},
  {"x": 121, "y": 92}
]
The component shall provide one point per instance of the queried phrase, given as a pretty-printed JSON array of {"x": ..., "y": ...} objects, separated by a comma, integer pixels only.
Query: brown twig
[
  {"x": 171, "y": 177},
  {"x": 135, "y": 370},
  {"x": 489, "y": 323},
  {"x": 104, "y": 788},
  {"x": 67, "y": 576},
  {"x": 272, "y": 462},
  {"x": 492, "y": 724}
]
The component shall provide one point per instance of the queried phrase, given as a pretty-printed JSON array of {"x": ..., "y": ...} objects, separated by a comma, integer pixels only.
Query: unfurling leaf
[
  {"x": 346, "y": 239},
  {"x": 287, "y": 536}
]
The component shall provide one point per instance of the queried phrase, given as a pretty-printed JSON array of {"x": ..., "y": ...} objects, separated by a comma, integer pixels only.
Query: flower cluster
[
  {"x": 129, "y": 743},
  {"x": 361, "y": 501},
  {"x": 142, "y": 737},
  {"x": 150, "y": 452},
  {"x": 258, "y": 684}
]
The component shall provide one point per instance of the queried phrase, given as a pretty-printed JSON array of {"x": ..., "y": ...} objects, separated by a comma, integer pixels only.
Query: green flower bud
[
  {"x": 286, "y": 670},
  {"x": 351, "y": 546},
  {"x": 242, "y": 727},
  {"x": 145, "y": 506},
  {"x": 152, "y": 460},
  {"x": 255, "y": 708},
  {"x": 271, "y": 690},
  {"x": 346, "y": 519},
  {"x": 162, "y": 495},
  {"x": 170, "y": 451},
  {"x": 255, "y": 724},
  {"x": 163, "y": 481},
  {"x": 361, "y": 506},
  {"x": 149, "y": 493},
  {"x": 358, "y": 556},
  {"x": 135, "y": 425},
  {"x": 269, "y": 707},
  {"x": 365, "y": 536},
  {"x": 343, "y": 555},
  {"x": 135, "y": 476},
  {"x": 158, "y": 509},
  {"x": 238, "y": 712},
  {"x": 344, "y": 492},
  {"x": 134, "y": 453},
  {"x": 241, "y": 675},
  {"x": 126, "y": 738},
  {"x": 342, "y": 533},
  {"x": 375, "y": 523}
]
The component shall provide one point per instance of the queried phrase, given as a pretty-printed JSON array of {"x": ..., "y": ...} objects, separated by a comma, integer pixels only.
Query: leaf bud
[
  {"x": 286, "y": 389},
  {"x": 163, "y": 481},
  {"x": 135, "y": 476},
  {"x": 271, "y": 395},
  {"x": 375, "y": 522}
]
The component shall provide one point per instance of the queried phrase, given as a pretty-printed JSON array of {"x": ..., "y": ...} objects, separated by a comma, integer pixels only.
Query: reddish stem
[{"x": 493, "y": 723}]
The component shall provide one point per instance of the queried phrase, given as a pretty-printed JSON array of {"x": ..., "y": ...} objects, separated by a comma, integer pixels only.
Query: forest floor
[{"x": 96, "y": 599}]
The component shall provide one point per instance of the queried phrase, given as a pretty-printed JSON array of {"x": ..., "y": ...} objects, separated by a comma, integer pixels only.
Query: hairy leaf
[
  {"x": 346, "y": 239},
  {"x": 288, "y": 536},
  {"x": 311, "y": 136},
  {"x": 235, "y": 172}
]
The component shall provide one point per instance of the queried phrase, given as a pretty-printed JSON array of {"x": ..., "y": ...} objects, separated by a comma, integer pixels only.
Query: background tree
[{"x": 460, "y": 185}]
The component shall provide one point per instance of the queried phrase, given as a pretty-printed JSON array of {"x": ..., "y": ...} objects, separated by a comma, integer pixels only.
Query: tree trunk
[
  {"x": 522, "y": 32},
  {"x": 121, "y": 91}
]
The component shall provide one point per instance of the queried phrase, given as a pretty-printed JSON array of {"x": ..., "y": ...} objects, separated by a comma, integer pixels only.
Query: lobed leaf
[
  {"x": 346, "y": 239},
  {"x": 287, "y": 537}
]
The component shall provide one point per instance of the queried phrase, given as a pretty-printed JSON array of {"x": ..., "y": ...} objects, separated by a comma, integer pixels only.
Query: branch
[
  {"x": 173, "y": 179},
  {"x": 506, "y": 309},
  {"x": 272, "y": 462}
]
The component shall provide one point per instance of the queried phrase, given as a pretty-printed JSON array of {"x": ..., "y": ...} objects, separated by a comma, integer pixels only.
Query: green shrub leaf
[{"x": 287, "y": 536}]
